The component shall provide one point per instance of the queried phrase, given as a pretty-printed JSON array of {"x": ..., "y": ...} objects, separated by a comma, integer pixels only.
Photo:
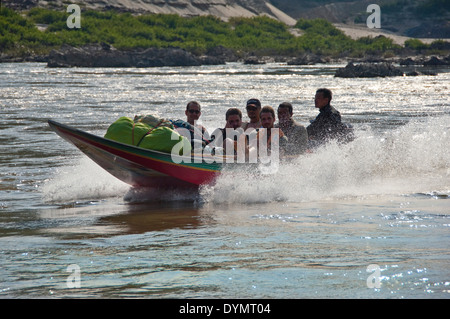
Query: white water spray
[{"x": 413, "y": 158}]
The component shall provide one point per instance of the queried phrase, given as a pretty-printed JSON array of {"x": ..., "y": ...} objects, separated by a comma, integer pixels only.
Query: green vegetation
[
  {"x": 415, "y": 44},
  {"x": 20, "y": 36},
  {"x": 324, "y": 38},
  {"x": 433, "y": 7}
]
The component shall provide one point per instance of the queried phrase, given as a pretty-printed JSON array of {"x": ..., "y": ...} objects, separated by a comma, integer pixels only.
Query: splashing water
[
  {"x": 410, "y": 159},
  {"x": 82, "y": 180}
]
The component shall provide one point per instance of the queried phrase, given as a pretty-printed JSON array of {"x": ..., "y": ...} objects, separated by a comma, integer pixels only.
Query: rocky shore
[
  {"x": 368, "y": 70},
  {"x": 401, "y": 67},
  {"x": 104, "y": 55}
]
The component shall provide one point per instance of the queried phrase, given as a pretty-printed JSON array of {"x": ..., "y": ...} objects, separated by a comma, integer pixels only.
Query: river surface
[{"x": 370, "y": 219}]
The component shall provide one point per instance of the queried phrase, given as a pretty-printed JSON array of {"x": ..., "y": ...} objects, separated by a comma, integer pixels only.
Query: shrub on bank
[{"x": 19, "y": 34}]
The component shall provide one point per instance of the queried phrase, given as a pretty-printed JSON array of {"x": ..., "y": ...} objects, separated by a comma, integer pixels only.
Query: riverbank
[
  {"x": 42, "y": 35},
  {"x": 102, "y": 55}
]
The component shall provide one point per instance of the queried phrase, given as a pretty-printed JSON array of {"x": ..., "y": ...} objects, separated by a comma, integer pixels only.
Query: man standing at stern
[{"x": 327, "y": 125}]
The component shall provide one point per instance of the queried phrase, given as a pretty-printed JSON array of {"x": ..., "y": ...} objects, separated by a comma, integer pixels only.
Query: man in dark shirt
[{"x": 327, "y": 125}]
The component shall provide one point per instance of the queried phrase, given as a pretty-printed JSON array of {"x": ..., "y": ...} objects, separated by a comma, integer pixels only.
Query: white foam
[
  {"x": 82, "y": 180},
  {"x": 413, "y": 158}
]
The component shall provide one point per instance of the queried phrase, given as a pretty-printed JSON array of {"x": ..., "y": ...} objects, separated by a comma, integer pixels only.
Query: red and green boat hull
[{"x": 140, "y": 167}]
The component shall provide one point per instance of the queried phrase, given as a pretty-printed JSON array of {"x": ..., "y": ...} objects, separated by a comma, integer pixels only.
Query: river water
[{"x": 370, "y": 219}]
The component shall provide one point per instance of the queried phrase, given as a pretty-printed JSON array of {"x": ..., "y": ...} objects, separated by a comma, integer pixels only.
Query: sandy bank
[
  {"x": 224, "y": 9},
  {"x": 356, "y": 32}
]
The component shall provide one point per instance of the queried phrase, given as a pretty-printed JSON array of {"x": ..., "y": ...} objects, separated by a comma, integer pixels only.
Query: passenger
[
  {"x": 295, "y": 132},
  {"x": 267, "y": 116},
  {"x": 193, "y": 113},
  {"x": 253, "y": 109},
  {"x": 327, "y": 125},
  {"x": 233, "y": 118}
]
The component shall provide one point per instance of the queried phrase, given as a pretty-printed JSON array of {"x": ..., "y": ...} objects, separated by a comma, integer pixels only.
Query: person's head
[
  {"x": 253, "y": 109},
  {"x": 192, "y": 112},
  {"x": 267, "y": 116},
  {"x": 233, "y": 118},
  {"x": 322, "y": 98},
  {"x": 285, "y": 112}
]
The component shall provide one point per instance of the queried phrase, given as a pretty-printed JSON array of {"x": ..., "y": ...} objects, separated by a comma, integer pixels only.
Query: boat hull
[{"x": 140, "y": 167}]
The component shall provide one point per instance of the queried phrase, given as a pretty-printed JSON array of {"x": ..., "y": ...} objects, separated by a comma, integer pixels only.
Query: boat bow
[{"x": 137, "y": 166}]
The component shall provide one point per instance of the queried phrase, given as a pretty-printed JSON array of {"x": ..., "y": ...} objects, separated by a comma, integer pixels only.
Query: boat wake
[{"x": 82, "y": 180}]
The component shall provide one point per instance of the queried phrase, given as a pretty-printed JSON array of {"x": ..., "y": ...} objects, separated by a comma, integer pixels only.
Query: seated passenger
[
  {"x": 193, "y": 113},
  {"x": 295, "y": 132},
  {"x": 268, "y": 135},
  {"x": 227, "y": 136},
  {"x": 253, "y": 109}
]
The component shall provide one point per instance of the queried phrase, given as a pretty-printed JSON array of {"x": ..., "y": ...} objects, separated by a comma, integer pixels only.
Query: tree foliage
[{"x": 257, "y": 35}]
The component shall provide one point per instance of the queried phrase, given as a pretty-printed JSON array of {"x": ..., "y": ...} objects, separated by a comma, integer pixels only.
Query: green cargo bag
[
  {"x": 160, "y": 139},
  {"x": 126, "y": 131}
]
